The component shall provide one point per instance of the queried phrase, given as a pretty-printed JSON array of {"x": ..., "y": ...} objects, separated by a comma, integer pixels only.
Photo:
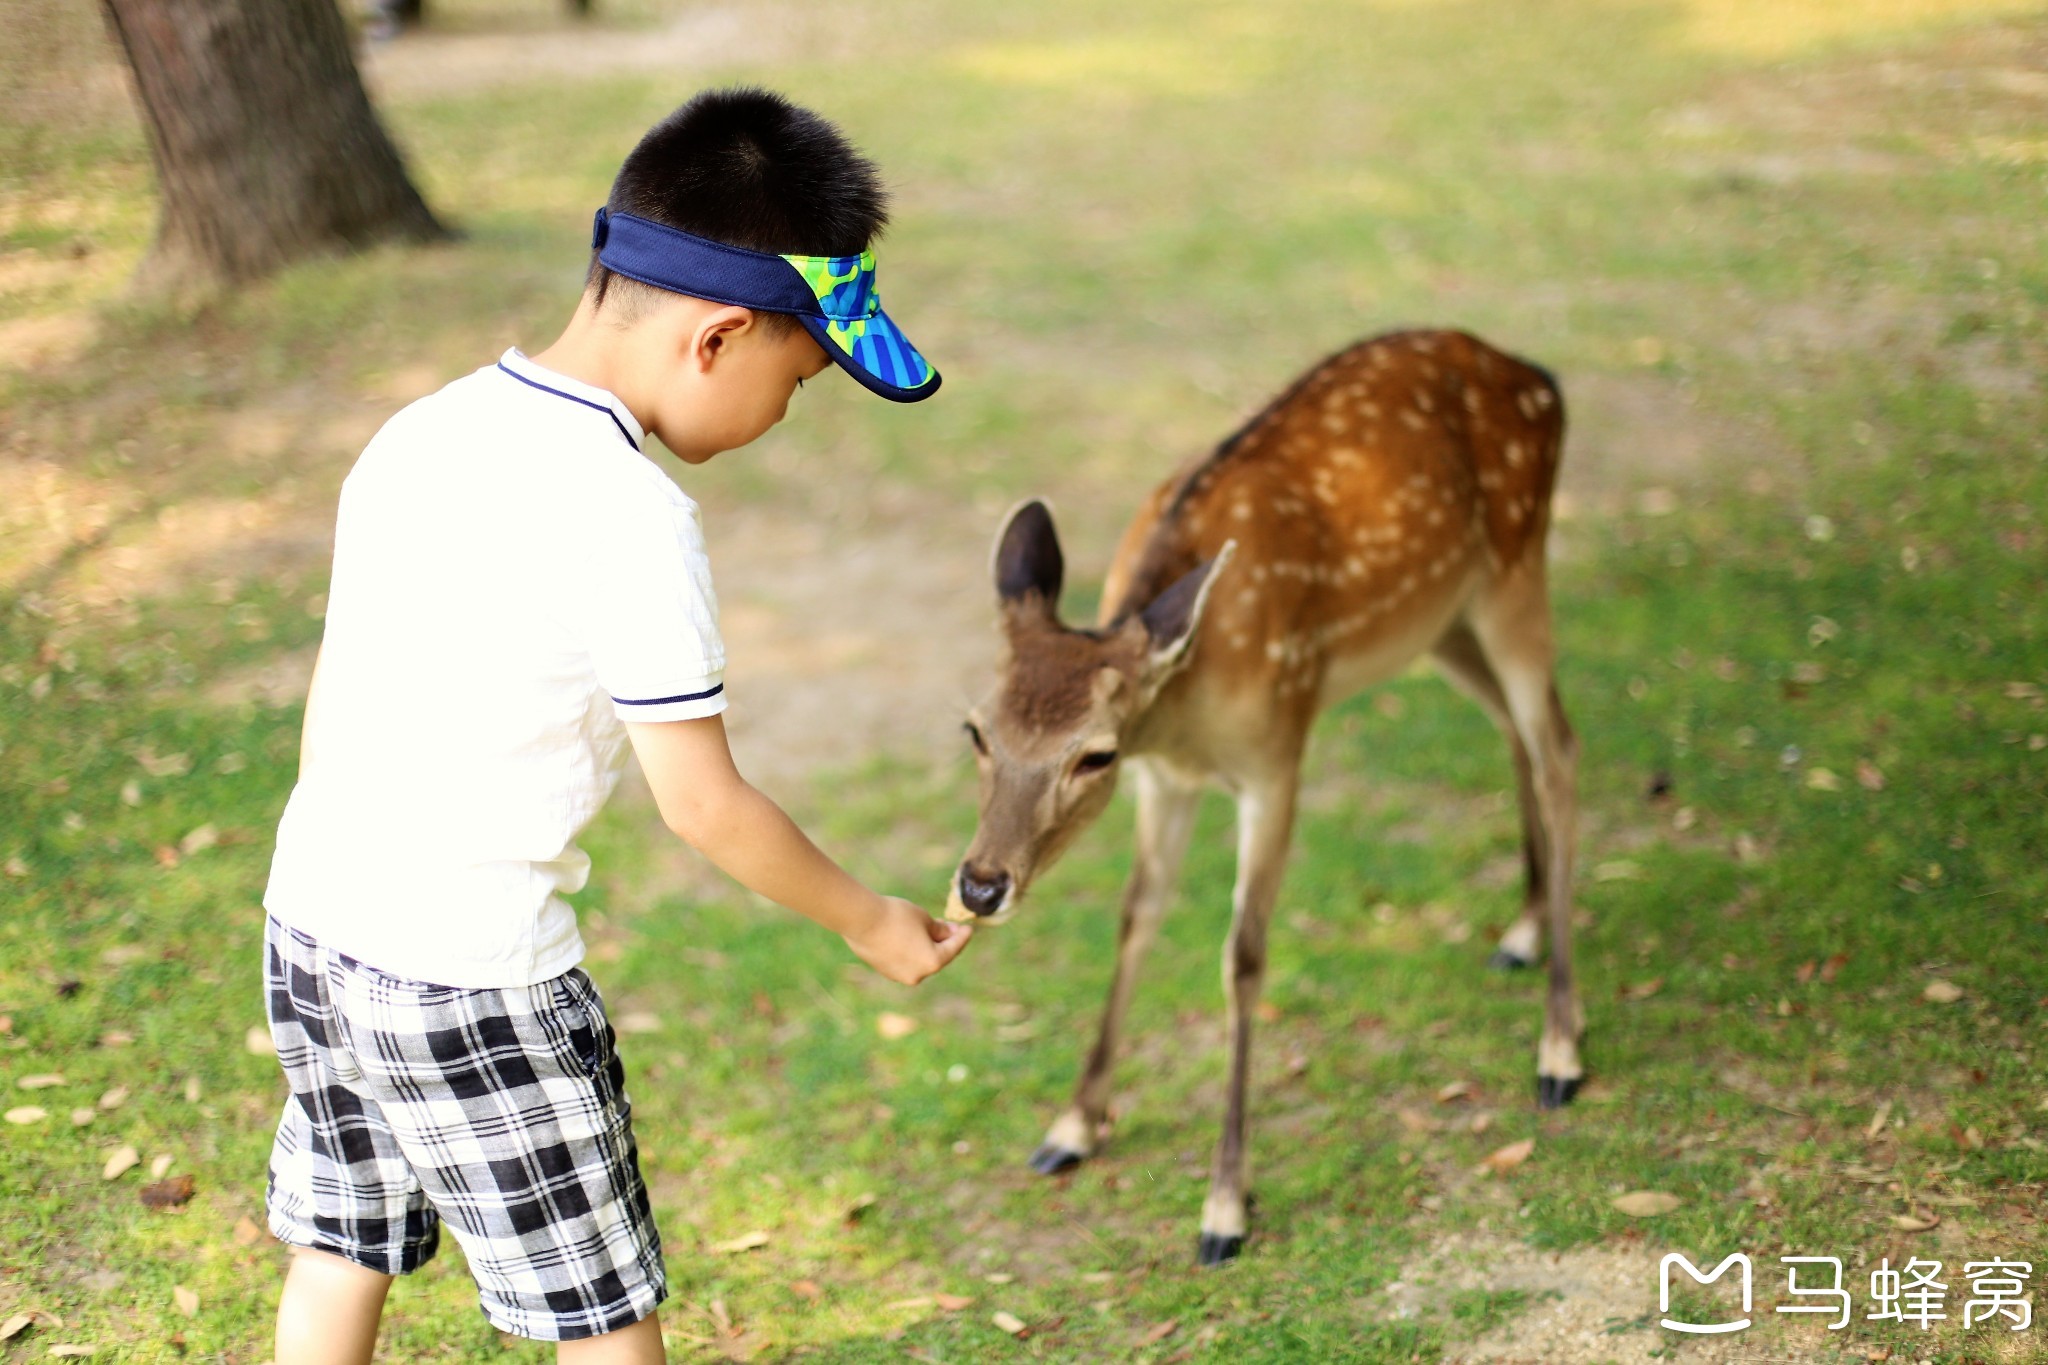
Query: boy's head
[{"x": 746, "y": 169}]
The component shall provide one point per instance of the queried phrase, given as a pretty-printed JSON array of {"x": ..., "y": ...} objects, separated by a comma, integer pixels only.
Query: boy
[{"x": 517, "y": 594}]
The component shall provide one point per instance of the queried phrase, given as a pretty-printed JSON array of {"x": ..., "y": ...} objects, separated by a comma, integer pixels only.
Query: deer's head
[{"x": 1050, "y": 737}]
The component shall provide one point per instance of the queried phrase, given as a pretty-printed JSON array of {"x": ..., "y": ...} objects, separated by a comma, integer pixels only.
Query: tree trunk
[{"x": 266, "y": 147}]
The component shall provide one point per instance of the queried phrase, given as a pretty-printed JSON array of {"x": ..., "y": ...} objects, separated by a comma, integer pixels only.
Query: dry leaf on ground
[
  {"x": 44, "y": 1081},
  {"x": 257, "y": 1042},
  {"x": 81, "y": 1117},
  {"x": 1456, "y": 1090},
  {"x": 1869, "y": 776},
  {"x": 167, "y": 1194},
  {"x": 71, "y": 1350},
  {"x": 27, "y": 1113},
  {"x": 1009, "y": 1322},
  {"x": 119, "y": 1162},
  {"x": 247, "y": 1233},
  {"x": 1506, "y": 1158},
  {"x": 640, "y": 1021},
  {"x": 1647, "y": 1203},
  {"x": 858, "y": 1209},
  {"x": 893, "y": 1026},
  {"x": 160, "y": 1165},
  {"x": 198, "y": 841},
  {"x": 1643, "y": 990},
  {"x": 747, "y": 1241},
  {"x": 1618, "y": 870},
  {"x": 1159, "y": 1331},
  {"x": 806, "y": 1289},
  {"x": 953, "y": 1303},
  {"x": 1920, "y": 1220},
  {"x": 186, "y": 1301},
  {"x": 1942, "y": 992},
  {"x": 15, "y": 1326},
  {"x": 114, "y": 1098}
]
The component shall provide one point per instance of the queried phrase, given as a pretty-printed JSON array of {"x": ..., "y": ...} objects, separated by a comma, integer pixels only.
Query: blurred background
[{"x": 1786, "y": 258}]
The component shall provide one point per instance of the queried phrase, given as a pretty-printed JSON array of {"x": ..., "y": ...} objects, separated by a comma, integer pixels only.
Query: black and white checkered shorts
[{"x": 501, "y": 1112}]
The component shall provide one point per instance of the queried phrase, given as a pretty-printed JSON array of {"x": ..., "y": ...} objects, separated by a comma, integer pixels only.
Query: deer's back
[{"x": 1367, "y": 503}]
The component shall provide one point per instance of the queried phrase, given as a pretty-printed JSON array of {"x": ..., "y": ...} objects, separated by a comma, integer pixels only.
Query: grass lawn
[{"x": 1788, "y": 261}]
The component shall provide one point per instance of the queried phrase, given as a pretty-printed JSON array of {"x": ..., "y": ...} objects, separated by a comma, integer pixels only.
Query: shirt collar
[{"x": 574, "y": 390}]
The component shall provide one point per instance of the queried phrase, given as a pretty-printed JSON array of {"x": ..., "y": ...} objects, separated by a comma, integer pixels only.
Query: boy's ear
[{"x": 712, "y": 333}]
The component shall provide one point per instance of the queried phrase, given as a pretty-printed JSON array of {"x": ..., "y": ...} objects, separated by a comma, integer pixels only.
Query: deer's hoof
[
  {"x": 1052, "y": 1159},
  {"x": 1555, "y": 1092},
  {"x": 1215, "y": 1249},
  {"x": 1505, "y": 961}
]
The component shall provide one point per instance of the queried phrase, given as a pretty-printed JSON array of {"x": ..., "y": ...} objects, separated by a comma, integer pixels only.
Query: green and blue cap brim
[{"x": 834, "y": 297}]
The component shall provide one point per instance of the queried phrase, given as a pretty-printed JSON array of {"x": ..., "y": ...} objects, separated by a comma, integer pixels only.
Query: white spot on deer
[
  {"x": 1426, "y": 345},
  {"x": 1544, "y": 398},
  {"x": 1274, "y": 649},
  {"x": 1471, "y": 400},
  {"x": 1258, "y": 573},
  {"x": 1370, "y": 411},
  {"x": 1515, "y": 454},
  {"x": 1516, "y": 512},
  {"x": 1412, "y": 420},
  {"x": 1424, "y": 400},
  {"x": 1241, "y": 509},
  {"x": 1334, "y": 423}
]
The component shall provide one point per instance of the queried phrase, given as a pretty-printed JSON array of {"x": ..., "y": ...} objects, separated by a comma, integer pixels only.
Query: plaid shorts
[{"x": 501, "y": 1112}]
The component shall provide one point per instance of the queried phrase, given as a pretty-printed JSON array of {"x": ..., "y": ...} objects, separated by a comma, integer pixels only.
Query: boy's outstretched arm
[{"x": 708, "y": 805}]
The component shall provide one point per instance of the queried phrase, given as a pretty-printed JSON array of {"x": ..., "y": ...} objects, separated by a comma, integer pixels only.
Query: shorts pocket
[{"x": 579, "y": 1013}]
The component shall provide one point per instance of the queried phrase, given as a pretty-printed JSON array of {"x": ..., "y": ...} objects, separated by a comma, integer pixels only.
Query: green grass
[{"x": 1116, "y": 235}]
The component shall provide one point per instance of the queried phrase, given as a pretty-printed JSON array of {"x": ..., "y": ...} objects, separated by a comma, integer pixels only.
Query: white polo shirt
[{"x": 512, "y": 578}]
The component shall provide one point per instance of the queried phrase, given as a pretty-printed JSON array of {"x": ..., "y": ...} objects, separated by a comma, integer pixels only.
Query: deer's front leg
[
  {"x": 1166, "y": 817},
  {"x": 1265, "y": 821}
]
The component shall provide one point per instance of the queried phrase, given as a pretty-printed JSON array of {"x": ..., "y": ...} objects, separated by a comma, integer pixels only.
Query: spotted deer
[{"x": 1394, "y": 501}]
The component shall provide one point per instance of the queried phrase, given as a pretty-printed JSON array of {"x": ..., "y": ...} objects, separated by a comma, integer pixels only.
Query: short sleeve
[{"x": 653, "y": 618}]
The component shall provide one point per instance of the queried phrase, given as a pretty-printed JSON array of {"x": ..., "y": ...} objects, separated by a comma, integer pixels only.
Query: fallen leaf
[
  {"x": 748, "y": 1241},
  {"x": 192, "y": 1090},
  {"x": 858, "y": 1209},
  {"x": 114, "y": 1098},
  {"x": 15, "y": 1326},
  {"x": 1481, "y": 1122},
  {"x": 247, "y": 1234},
  {"x": 257, "y": 1042},
  {"x": 167, "y": 1194},
  {"x": 1643, "y": 990},
  {"x": 1159, "y": 1331},
  {"x": 186, "y": 1301},
  {"x": 909, "y": 1305},
  {"x": 71, "y": 1351},
  {"x": 198, "y": 841},
  {"x": 1877, "y": 1120},
  {"x": 1618, "y": 870},
  {"x": 120, "y": 1161},
  {"x": 953, "y": 1303},
  {"x": 1919, "y": 1221},
  {"x": 81, "y": 1117},
  {"x": 806, "y": 1289},
  {"x": 27, "y": 1113},
  {"x": 1456, "y": 1090},
  {"x": 999, "y": 1277},
  {"x": 1942, "y": 992},
  {"x": 1505, "y": 1159},
  {"x": 166, "y": 857},
  {"x": 44, "y": 1081},
  {"x": 1415, "y": 1121},
  {"x": 640, "y": 1021},
  {"x": 159, "y": 1165},
  {"x": 1646, "y": 1203},
  {"x": 1869, "y": 776},
  {"x": 116, "y": 1038},
  {"x": 170, "y": 765},
  {"x": 1822, "y": 780},
  {"x": 1833, "y": 965},
  {"x": 894, "y": 1026},
  {"x": 1009, "y": 1322}
]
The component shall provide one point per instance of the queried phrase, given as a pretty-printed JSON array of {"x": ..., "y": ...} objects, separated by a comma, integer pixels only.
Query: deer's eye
[
  {"x": 1096, "y": 761},
  {"x": 974, "y": 737}
]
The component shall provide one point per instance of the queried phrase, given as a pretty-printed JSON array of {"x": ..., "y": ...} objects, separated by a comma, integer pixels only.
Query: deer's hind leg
[
  {"x": 1511, "y": 621},
  {"x": 1166, "y": 817},
  {"x": 1464, "y": 664}
]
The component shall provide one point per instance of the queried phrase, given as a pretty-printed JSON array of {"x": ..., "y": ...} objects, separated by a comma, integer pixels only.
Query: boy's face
[{"x": 730, "y": 380}]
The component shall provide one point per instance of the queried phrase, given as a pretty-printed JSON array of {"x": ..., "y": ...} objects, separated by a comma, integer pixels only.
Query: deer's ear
[
  {"x": 1028, "y": 560},
  {"x": 1173, "y": 617}
]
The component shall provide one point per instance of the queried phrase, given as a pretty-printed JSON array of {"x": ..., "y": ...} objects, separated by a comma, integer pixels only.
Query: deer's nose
[{"x": 983, "y": 892}]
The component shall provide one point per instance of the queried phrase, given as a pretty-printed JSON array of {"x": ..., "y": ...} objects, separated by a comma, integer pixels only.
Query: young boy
[{"x": 517, "y": 594}]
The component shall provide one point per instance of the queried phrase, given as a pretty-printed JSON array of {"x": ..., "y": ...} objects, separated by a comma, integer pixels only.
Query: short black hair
[{"x": 746, "y": 167}]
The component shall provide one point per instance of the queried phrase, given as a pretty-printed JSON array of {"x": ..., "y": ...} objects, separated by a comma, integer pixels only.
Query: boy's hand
[{"x": 905, "y": 944}]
